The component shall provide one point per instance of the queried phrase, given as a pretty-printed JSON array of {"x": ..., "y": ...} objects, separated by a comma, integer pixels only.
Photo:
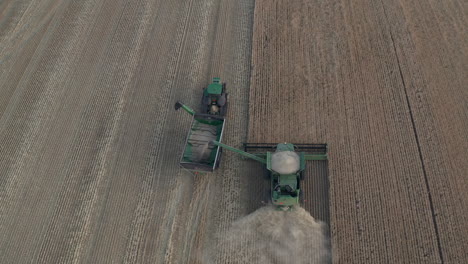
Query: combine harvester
[{"x": 285, "y": 162}]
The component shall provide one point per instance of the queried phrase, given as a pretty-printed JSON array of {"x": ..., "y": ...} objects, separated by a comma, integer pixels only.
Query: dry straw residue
[{"x": 271, "y": 236}]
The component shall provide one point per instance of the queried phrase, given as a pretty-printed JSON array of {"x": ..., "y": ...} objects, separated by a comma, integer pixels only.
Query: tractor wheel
[
  {"x": 224, "y": 107},
  {"x": 205, "y": 101},
  {"x": 223, "y": 110},
  {"x": 222, "y": 99}
]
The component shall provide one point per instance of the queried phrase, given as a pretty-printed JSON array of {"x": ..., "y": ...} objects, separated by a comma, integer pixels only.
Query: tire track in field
[
  {"x": 129, "y": 71},
  {"x": 340, "y": 66},
  {"x": 141, "y": 215},
  {"x": 79, "y": 141},
  {"x": 20, "y": 25},
  {"x": 41, "y": 193},
  {"x": 11, "y": 15},
  {"x": 127, "y": 44},
  {"x": 106, "y": 185},
  {"x": 431, "y": 203},
  {"x": 189, "y": 238},
  {"x": 67, "y": 216},
  {"x": 231, "y": 199},
  {"x": 154, "y": 167},
  {"x": 170, "y": 214},
  {"x": 133, "y": 173},
  {"x": 14, "y": 64},
  {"x": 436, "y": 95},
  {"x": 27, "y": 107}
]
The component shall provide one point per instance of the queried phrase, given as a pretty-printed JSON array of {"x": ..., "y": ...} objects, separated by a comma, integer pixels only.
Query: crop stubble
[
  {"x": 89, "y": 140},
  {"x": 384, "y": 84}
]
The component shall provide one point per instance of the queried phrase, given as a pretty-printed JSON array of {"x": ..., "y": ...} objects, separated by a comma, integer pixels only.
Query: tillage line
[{"x": 419, "y": 150}]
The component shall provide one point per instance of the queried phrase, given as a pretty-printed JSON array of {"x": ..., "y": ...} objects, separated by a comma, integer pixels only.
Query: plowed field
[{"x": 384, "y": 84}]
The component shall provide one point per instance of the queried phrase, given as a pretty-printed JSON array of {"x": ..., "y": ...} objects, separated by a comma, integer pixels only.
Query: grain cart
[
  {"x": 200, "y": 155},
  {"x": 285, "y": 165}
]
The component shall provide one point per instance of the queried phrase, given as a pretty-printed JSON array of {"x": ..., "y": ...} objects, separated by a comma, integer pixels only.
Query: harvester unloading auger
[{"x": 285, "y": 162}]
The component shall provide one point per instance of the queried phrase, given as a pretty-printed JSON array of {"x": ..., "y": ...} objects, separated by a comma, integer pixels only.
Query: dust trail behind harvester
[{"x": 271, "y": 236}]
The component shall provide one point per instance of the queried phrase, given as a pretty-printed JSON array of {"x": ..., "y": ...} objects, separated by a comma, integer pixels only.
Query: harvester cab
[{"x": 285, "y": 163}]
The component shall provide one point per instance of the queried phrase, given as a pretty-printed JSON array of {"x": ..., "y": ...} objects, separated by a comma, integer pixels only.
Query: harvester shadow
[{"x": 256, "y": 191}]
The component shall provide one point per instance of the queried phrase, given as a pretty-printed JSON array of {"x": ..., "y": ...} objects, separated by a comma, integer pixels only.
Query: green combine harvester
[{"x": 285, "y": 162}]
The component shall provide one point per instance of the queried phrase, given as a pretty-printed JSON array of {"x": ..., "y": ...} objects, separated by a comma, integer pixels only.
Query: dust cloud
[{"x": 271, "y": 236}]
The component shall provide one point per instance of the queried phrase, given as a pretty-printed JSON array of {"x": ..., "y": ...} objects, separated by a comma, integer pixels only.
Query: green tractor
[
  {"x": 200, "y": 155},
  {"x": 285, "y": 164},
  {"x": 214, "y": 99}
]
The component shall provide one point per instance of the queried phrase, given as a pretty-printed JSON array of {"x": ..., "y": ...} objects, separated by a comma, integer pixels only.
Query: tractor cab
[{"x": 214, "y": 100}]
